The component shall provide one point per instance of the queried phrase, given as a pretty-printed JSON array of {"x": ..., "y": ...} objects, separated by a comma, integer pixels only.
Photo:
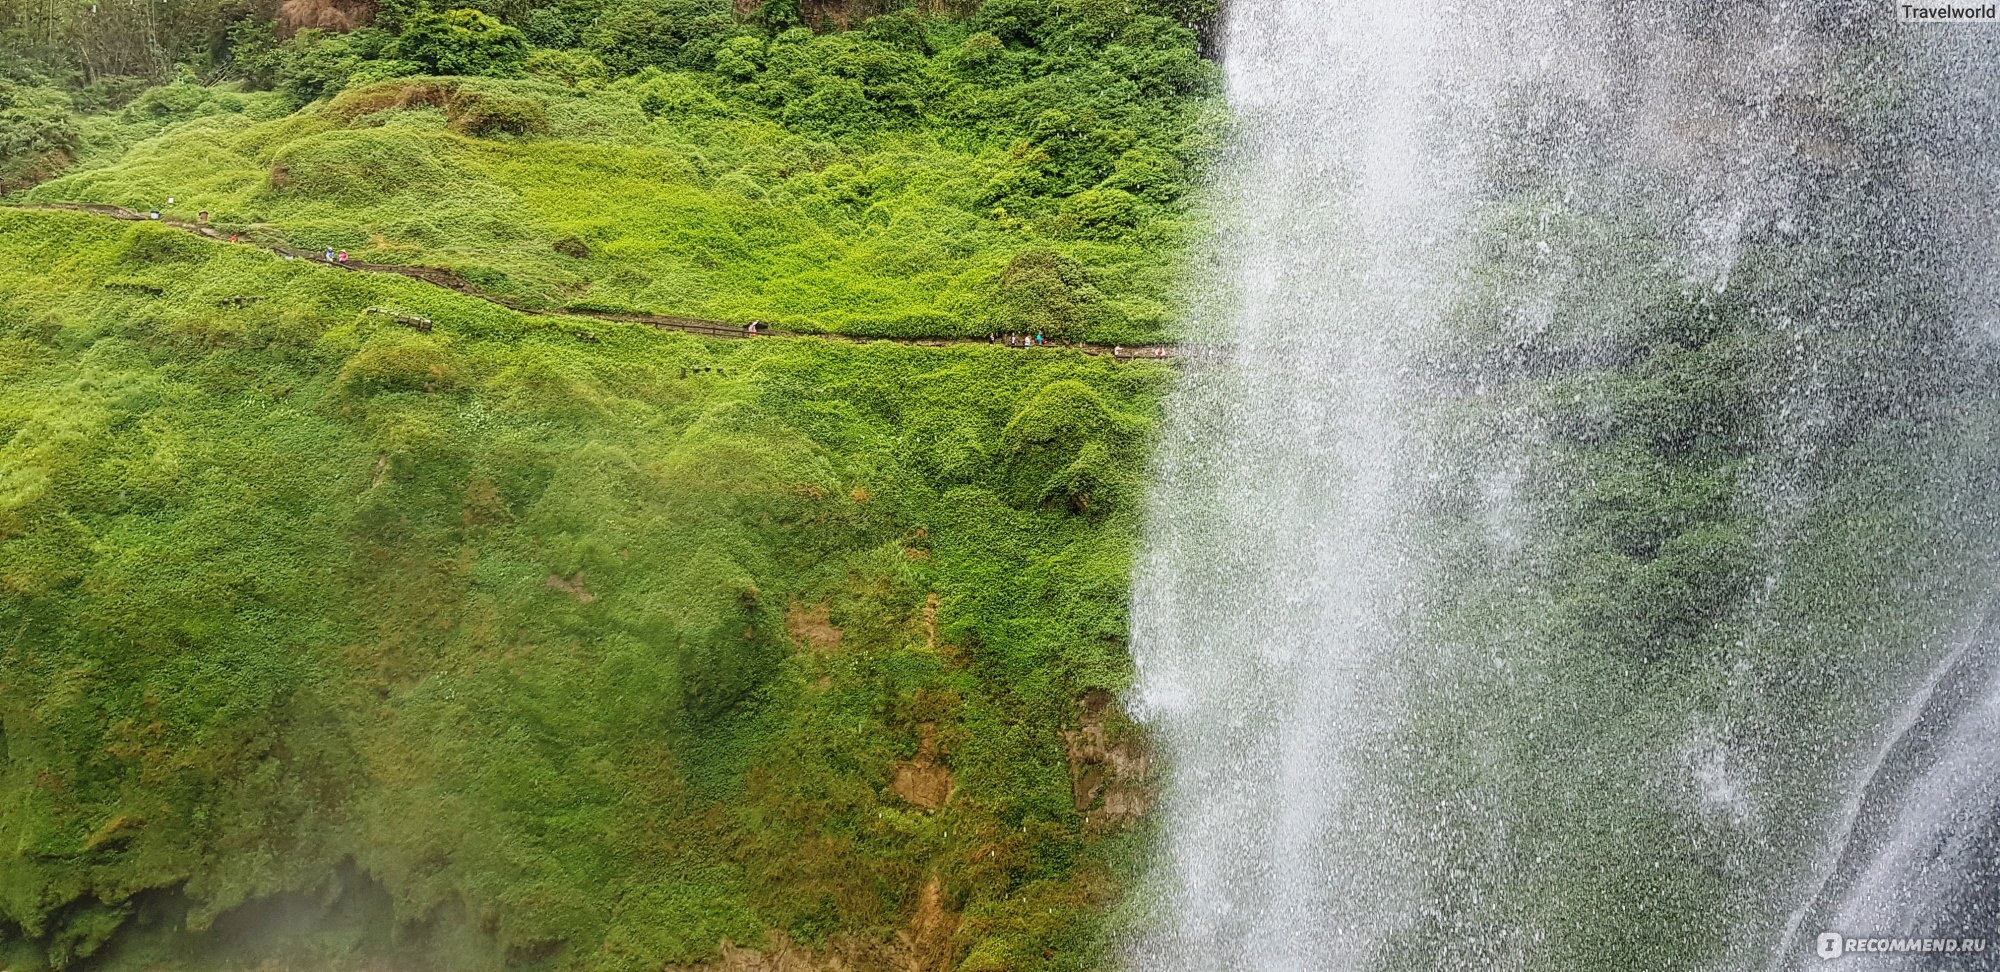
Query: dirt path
[{"x": 450, "y": 281}]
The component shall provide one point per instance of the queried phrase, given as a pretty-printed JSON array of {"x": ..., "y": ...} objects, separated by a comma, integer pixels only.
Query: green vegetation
[
  {"x": 538, "y": 642},
  {"x": 460, "y": 42},
  {"x": 541, "y": 642},
  {"x": 1023, "y": 168},
  {"x": 37, "y": 137}
]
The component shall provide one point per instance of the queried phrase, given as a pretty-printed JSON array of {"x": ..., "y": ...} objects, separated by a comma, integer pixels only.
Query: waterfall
[
  {"x": 1593, "y": 458},
  {"x": 1916, "y": 846}
]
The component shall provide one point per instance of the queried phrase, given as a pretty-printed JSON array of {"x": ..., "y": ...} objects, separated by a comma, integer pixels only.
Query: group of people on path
[
  {"x": 1037, "y": 340},
  {"x": 331, "y": 255}
]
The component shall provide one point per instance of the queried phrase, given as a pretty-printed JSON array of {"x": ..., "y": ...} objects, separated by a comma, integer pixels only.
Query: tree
[
  {"x": 667, "y": 34},
  {"x": 461, "y": 41}
]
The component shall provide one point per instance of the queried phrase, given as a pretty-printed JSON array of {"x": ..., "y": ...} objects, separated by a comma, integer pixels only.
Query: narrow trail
[{"x": 693, "y": 325}]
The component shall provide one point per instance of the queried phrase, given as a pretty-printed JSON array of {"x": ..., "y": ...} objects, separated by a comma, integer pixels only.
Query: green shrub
[
  {"x": 573, "y": 68},
  {"x": 310, "y": 64},
  {"x": 1059, "y": 446},
  {"x": 676, "y": 96},
  {"x": 497, "y": 114},
  {"x": 396, "y": 361},
  {"x": 460, "y": 41},
  {"x": 1042, "y": 291},
  {"x": 355, "y": 167},
  {"x": 844, "y": 84},
  {"x": 36, "y": 133},
  {"x": 665, "y": 34},
  {"x": 1100, "y": 212},
  {"x": 740, "y": 58}
]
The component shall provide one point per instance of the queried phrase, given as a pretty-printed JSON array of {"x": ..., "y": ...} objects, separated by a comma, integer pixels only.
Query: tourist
[
  {"x": 343, "y": 256},
  {"x": 1116, "y": 351},
  {"x": 155, "y": 214},
  {"x": 329, "y": 254}
]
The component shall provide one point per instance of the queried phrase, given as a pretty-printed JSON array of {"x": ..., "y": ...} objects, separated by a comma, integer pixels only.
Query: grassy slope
[
  {"x": 705, "y": 208},
  {"x": 280, "y": 587}
]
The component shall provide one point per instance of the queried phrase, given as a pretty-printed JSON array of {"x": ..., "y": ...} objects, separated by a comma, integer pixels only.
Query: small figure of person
[
  {"x": 233, "y": 238},
  {"x": 1040, "y": 341},
  {"x": 329, "y": 254},
  {"x": 1117, "y": 351},
  {"x": 155, "y": 214},
  {"x": 343, "y": 256},
  {"x": 201, "y": 217}
]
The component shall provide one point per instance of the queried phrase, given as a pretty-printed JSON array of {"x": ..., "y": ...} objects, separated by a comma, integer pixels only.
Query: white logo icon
[{"x": 1830, "y": 945}]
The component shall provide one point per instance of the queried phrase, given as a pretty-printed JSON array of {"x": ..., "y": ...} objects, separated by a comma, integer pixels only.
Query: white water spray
[{"x": 1402, "y": 731}]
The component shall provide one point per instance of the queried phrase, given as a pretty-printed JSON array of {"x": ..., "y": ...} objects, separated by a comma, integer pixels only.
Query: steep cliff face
[{"x": 293, "y": 16}]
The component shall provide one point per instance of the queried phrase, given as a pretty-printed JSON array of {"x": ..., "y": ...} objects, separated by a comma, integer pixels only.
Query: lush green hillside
[
  {"x": 539, "y": 642},
  {"x": 1023, "y": 169}
]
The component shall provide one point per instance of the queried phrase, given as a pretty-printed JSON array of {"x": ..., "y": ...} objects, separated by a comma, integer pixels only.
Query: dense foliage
[
  {"x": 539, "y": 643},
  {"x": 460, "y": 42},
  {"x": 544, "y": 642},
  {"x": 1026, "y": 167},
  {"x": 37, "y": 135}
]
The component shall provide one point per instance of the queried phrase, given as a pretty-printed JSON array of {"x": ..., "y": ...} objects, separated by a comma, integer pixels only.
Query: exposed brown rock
[
  {"x": 336, "y": 15},
  {"x": 573, "y": 586},
  {"x": 812, "y": 627},
  {"x": 1107, "y": 778},
  {"x": 923, "y": 781},
  {"x": 926, "y": 946}
]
